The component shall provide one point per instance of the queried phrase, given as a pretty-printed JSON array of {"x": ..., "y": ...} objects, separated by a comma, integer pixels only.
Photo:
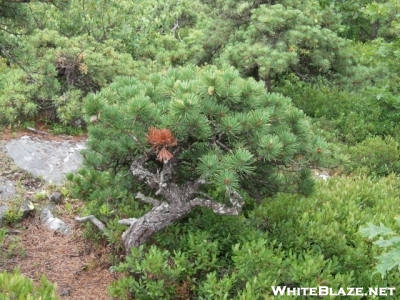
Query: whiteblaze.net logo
[{"x": 327, "y": 291}]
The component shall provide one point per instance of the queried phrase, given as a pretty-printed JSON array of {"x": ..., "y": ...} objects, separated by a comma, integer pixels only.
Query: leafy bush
[
  {"x": 388, "y": 260},
  {"x": 15, "y": 286},
  {"x": 288, "y": 240},
  {"x": 355, "y": 115},
  {"x": 328, "y": 223},
  {"x": 3, "y": 233},
  {"x": 375, "y": 156}
]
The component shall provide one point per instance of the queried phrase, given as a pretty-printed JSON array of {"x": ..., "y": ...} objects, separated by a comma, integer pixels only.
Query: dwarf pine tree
[
  {"x": 268, "y": 39},
  {"x": 184, "y": 134}
]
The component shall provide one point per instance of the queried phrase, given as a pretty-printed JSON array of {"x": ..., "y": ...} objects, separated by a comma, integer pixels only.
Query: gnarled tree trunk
[
  {"x": 156, "y": 219},
  {"x": 177, "y": 201}
]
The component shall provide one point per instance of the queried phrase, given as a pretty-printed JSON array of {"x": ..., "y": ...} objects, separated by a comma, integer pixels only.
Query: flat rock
[
  {"x": 7, "y": 190},
  {"x": 48, "y": 159}
]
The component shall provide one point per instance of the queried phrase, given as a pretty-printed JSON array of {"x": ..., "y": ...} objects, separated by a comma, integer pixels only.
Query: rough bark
[
  {"x": 94, "y": 220},
  {"x": 177, "y": 201},
  {"x": 374, "y": 30},
  {"x": 156, "y": 219}
]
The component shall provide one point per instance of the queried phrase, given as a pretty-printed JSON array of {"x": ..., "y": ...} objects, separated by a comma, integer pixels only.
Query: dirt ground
[{"x": 78, "y": 266}]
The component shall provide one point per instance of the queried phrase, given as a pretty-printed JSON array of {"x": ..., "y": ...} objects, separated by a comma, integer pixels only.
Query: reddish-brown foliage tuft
[
  {"x": 160, "y": 139},
  {"x": 164, "y": 155}
]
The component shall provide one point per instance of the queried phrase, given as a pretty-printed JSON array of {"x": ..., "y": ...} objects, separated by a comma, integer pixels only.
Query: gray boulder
[{"x": 50, "y": 160}]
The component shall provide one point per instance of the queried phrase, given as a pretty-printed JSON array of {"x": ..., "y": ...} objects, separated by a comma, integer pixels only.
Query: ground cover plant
[{"x": 16, "y": 286}]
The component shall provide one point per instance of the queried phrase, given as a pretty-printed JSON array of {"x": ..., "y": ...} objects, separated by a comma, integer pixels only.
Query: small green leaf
[
  {"x": 372, "y": 230},
  {"x": 388, "y": 261},
  {"x": 385, "y": 243}
]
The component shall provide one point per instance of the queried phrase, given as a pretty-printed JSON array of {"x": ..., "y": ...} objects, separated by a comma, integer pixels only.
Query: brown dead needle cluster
[{"x": 160, "y": 139}]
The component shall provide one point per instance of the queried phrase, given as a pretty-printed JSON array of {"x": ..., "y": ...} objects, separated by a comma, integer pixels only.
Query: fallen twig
[
  {"x": 36, "y": 130},
  {"x": 94, "y": 220}
]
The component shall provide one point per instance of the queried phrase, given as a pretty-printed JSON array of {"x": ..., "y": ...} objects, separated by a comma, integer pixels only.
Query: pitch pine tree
[{"x": 188, "y": 132}]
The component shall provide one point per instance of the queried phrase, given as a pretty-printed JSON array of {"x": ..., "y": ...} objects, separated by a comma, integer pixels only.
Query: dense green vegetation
[
  {"x": 258, "y": 95},
  {"x": 16, "y": 286}
]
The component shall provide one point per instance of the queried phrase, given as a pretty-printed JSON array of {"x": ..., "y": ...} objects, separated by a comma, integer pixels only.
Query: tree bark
[
  {"x": 374, "y": 30},
  {"x": 155, "y": 220},
  {"x": 177, "y": 201}
]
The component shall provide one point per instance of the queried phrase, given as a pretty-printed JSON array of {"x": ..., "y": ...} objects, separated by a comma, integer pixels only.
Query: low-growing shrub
[
  {"x": 328, "y": 223},
  {"x": 389, "y": 260},
  {"x": 15, "y": 286},
  {"x": 58, "y": 73},
  {"x": 354, "y": 115},
  {"x": 375, "y": 156},
  {"x": 289, "y": 240}
]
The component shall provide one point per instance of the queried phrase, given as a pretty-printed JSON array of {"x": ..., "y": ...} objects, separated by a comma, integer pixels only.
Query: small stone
[
  {"x": 26, "y": 208},
  {"x": 65, "y": 292},
  {"x": 7, "y": 190},
  {"x": 56, "y": 197},
  {"x": 93, "y": 119},
  {"x": 52, "y": 223},
  {"x": 324, "y": 176}
]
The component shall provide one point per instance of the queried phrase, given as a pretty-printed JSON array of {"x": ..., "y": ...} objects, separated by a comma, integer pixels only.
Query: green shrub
[
  {"x": 354, "y": 115},
  {"x": 288, "y": 240},
  {"x": 3, "y": 233},
  {"x": 160, "y": 274},
  {"x": 375, "y": 156},
  {"x": 328, "y": 223},
  {"x": 15, "y": 286},
  {"x": 390, "y": 259},
  {"x": 59, "y": 72}
]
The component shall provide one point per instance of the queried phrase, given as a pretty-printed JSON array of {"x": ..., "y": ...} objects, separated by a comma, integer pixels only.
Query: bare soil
[{"x": 78, "y": 266}]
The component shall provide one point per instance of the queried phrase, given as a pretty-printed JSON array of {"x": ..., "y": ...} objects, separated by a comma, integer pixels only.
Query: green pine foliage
[
  {"x": 231, "y": 132},
  {"x": 59, "y": 72},
  {"x": 296, "y": 37},
  {"x": 155, "y": 33}
]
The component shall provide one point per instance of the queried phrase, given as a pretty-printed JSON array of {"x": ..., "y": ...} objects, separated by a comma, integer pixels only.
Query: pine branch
[
  {"x": 222, "y": 146},
  {"x": 235, "y": 199},
  {"x": 127, "y": 222},
  {"x": 148, "y": 200},
  {"x": 36, "y": 130},
  {"x": 142, "y": 174},
  {"x": 167, "y": 170},
  {"x": 11, "y": 58},
  {"x": 94, "y": 220}
]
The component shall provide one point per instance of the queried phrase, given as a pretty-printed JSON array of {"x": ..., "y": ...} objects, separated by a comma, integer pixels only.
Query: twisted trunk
[
  {"x": 177, "y": 201},
  {"x": 156, "y": 219}
]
